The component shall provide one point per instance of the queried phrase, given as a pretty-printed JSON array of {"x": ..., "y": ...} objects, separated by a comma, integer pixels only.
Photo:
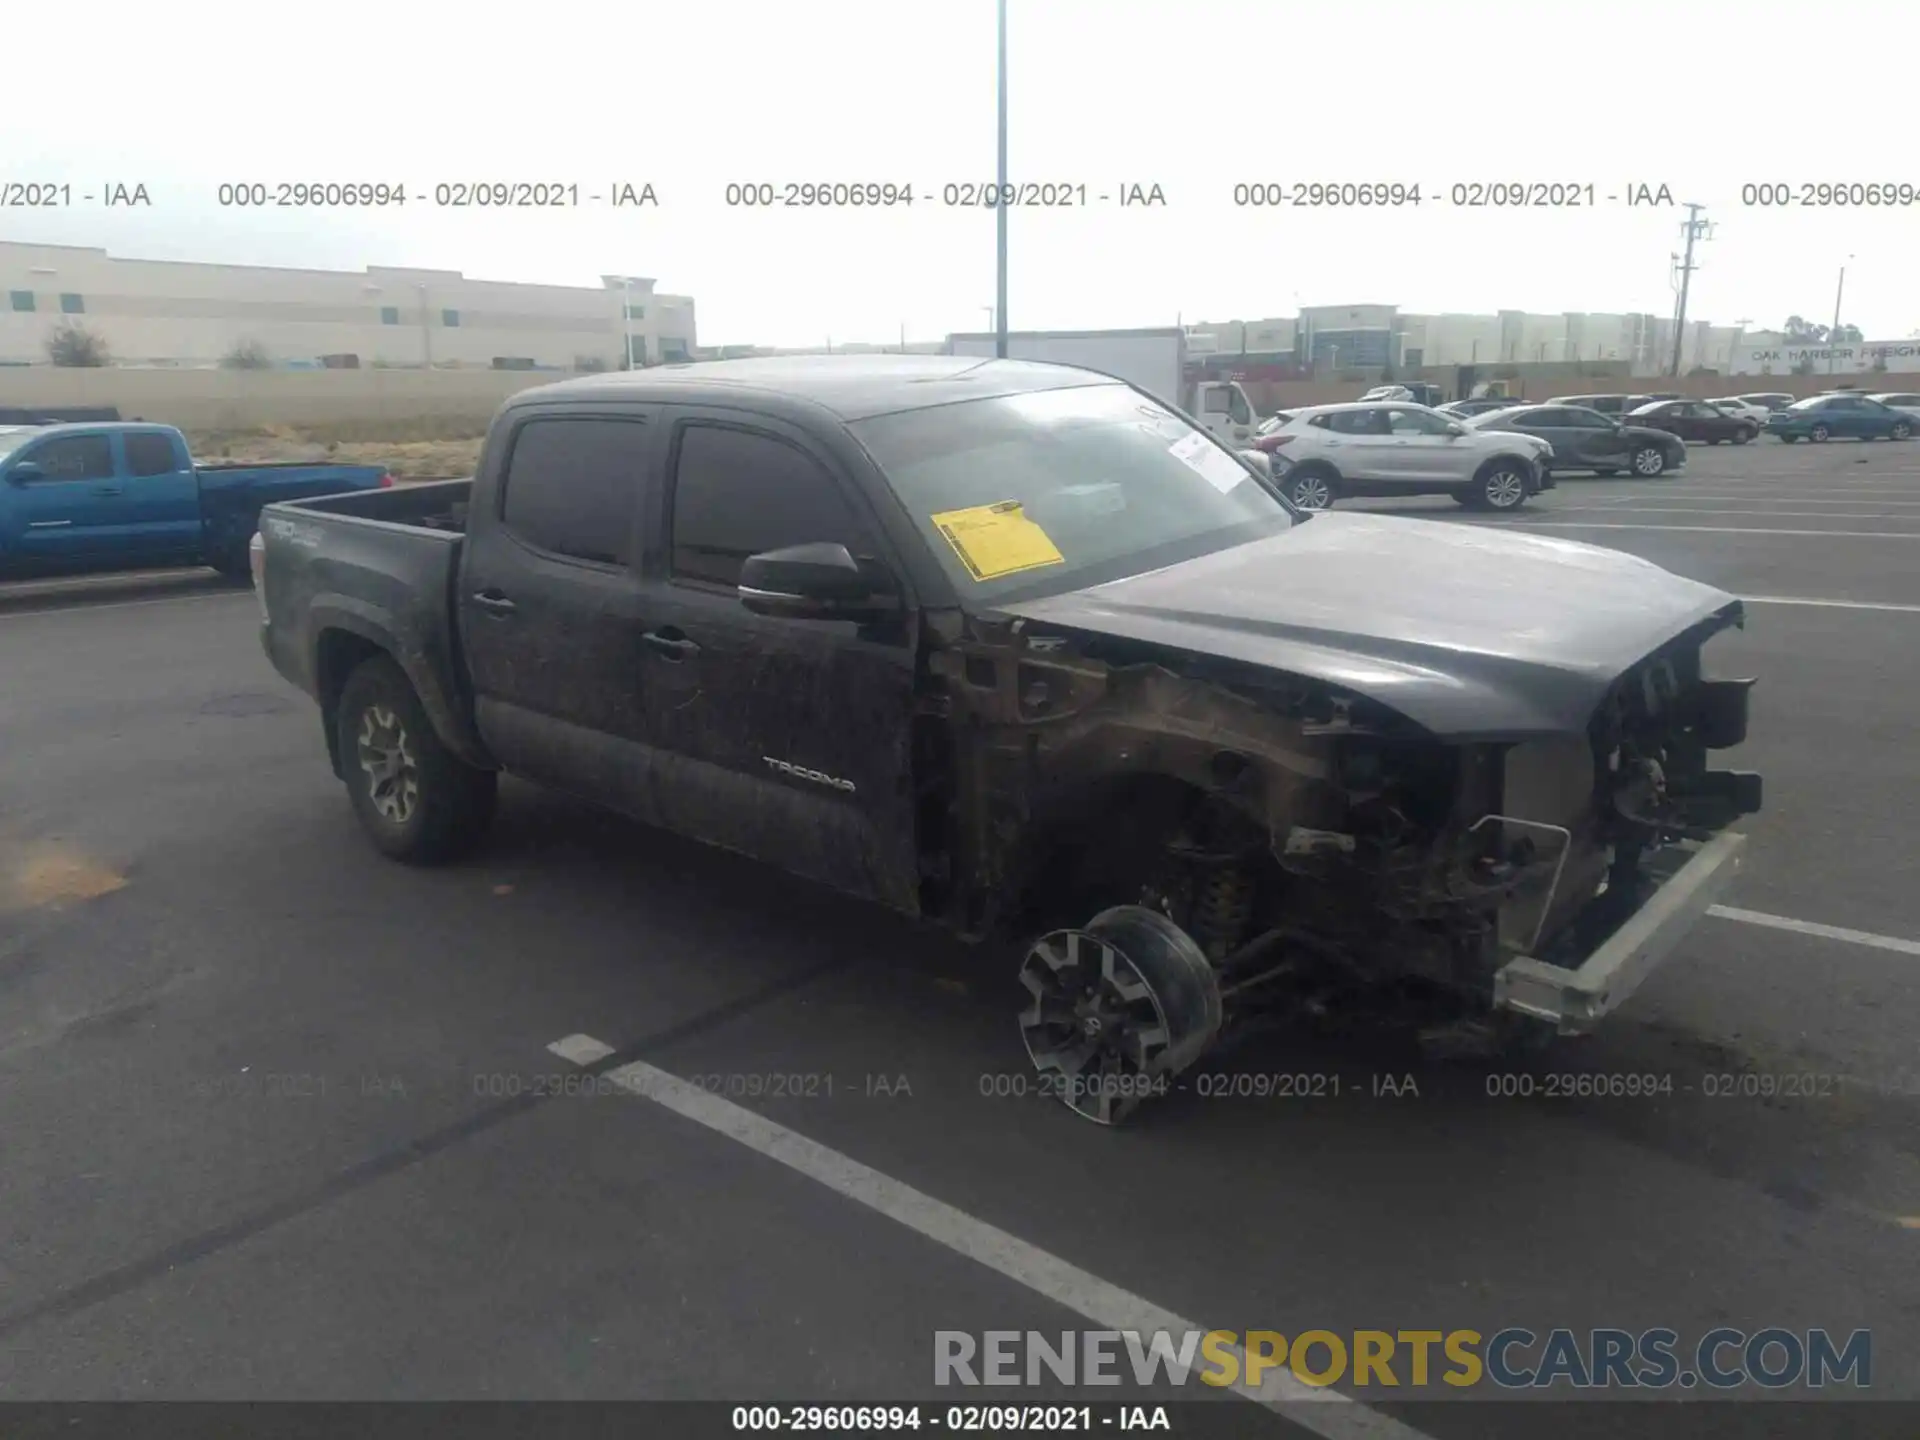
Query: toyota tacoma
[{"x": 1021, "y": 651}]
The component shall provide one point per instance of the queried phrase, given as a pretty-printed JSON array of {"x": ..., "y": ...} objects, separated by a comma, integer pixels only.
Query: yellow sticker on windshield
[{"x": 996, "y": 540}]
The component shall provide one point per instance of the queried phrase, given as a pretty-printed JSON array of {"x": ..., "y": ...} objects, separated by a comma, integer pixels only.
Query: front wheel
[
  {"x": 1649, "y": 462},
  {"x": 1116, "y": 1011},
  {"x": 1901, "y": 430},
  {"x": 418, "y": 801},
  {"x": 1741, "y": 437},
  {"x": 1819, "y": 434},
  {"x": 1502, "y": 487}
]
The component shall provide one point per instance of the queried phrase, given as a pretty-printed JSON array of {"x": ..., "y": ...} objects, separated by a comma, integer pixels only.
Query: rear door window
[
  {"x": 150, "y": 452},
  {"x": 573, "y": 487}
]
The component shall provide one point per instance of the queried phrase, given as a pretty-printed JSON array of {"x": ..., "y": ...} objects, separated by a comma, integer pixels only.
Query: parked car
[
  {"x": 1585, "y": 439},
  {"x": 119, "y": 495},
  {"x": 1467, "y": 409},
  {"x": 1331, "y": 451},
  {"x": 1905, "y": 402},
  {"x": 1017, "y": 651},
  {"x": 1417, "y": 392},
  {"x": 1824, "y": 417},
  {"x": 1769, "y": 400},
  {"x": 1605, "y": 404},
  {"x": 1694, "y": 420},
  {"x": 1755, "y": 415}
]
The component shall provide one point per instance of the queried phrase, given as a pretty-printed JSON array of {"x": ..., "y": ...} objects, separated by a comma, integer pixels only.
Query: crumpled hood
[{"x": 1470, "y": 631}]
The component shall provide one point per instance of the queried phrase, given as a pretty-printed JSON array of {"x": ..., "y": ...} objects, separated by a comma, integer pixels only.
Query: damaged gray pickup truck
[{"x": 1017, "y": 649}]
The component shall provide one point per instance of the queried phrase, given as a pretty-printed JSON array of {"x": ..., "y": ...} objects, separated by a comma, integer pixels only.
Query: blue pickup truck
[{"x": 117, "y": 495}]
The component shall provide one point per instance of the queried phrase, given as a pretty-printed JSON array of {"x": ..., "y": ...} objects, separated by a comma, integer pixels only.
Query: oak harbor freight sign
[{"x": 1851, "y": 359}]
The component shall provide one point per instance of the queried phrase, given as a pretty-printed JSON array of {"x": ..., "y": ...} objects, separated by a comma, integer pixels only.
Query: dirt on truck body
[{"x": 1038, "y": 660}]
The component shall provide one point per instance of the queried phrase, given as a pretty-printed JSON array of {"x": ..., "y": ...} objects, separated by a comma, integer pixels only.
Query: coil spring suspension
[{"x": 1222, "y": 909}]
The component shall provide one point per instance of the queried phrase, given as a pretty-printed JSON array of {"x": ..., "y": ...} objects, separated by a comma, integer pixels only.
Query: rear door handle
[
  {"x": 671, "y": 643},
  {"x": 493, "y": 602}
]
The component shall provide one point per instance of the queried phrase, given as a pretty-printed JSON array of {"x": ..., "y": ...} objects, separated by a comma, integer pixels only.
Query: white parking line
[
  {"x": 1715, "y": 530},
  {"x": 1831, "y": 604},
  {"x": 1731, "y": 510},
  {"x": 1823, "y": 932},
  {"x": 1323, "y": 1411}
]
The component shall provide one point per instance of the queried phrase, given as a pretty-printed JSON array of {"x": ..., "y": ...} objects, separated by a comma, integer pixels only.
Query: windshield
[
  {"x": 1492, "y": 419},
  {"x": 1273, "y": 423},
  {"x": 1056, "y": 490},
  {"x": 1812, "y": 402},
  {"x": 12, "y": 438}
]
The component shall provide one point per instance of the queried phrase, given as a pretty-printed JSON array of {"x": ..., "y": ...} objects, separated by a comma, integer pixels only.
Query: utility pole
[
  {"x": 1833, "y": 335},
  {"x": 1000, "y": 218},
  {"x": 1695, "y": 229}
]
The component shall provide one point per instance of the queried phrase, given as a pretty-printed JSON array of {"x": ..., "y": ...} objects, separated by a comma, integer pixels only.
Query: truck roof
[
  {"x": 55, "y": 427},
  {"x": 853, "y": 387}
]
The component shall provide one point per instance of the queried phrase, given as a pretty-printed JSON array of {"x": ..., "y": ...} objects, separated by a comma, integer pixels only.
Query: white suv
[{"x": 1328, "y": 451}]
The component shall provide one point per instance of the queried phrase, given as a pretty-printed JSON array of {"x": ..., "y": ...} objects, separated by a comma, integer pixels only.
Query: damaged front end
[{"x": 1307, "y": 842}]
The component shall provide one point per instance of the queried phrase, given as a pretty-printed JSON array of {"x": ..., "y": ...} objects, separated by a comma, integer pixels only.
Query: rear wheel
[
  {"x": 1311, "y": 488},
  {"x": 1901, "y": 430},
  {"x": 1743, "y": 435},
  {"x": 1819, "y": 434},
  {"x": 1649, "y": 462},
  {"x": 230, "y": 562},
  {"x": 417, "y": 801},
  {"x": 1606, "y": 472}
]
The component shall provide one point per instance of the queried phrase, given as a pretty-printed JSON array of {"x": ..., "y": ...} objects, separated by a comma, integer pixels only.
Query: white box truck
[{"x": 1153, "y": 360}]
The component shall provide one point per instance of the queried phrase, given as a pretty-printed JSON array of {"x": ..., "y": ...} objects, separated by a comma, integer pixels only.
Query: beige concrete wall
[
  {"x": 174, "y": 311},
  {"x": 248, "y": 399}
]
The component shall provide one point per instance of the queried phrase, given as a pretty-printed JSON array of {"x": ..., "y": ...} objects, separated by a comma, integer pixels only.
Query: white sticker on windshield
[{"x": 1209, "y": 461}]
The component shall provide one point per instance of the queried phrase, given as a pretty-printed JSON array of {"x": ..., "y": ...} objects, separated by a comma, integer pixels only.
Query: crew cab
[
  {"x": 1019, "y": 650},
  {"x": 101, "y": 496}
]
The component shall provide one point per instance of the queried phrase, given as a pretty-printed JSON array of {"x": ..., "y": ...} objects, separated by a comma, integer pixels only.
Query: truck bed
[{"x": 374, "y": 567}]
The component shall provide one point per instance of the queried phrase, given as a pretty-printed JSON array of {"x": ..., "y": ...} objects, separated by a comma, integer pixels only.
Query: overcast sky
[{"x": 1194, "y": 96}]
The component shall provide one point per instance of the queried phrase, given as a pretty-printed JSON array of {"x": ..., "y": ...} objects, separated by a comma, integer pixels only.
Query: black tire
[
  {"x": 1607, "y": 472},
  {"x": 1901, "y": 431},
  {"x": 1741, "y": 437},
  {"x": 450, "y": 804},
  {"x": 1648, "y": 462},
  {"x": 231, "y": 564},
  {"x": 1312, "y": 487},
  {"x": 1788, "y": 439},
  {"x": 1819, "y": 434},
  {"x": 1501, "y": 487}
]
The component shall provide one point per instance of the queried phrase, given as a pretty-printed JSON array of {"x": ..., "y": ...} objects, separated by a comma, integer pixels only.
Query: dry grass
[{"x": 417, "y": 448}]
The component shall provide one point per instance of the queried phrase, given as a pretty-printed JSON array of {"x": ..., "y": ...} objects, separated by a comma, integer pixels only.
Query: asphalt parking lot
[{"x": 282, "y": 1120}]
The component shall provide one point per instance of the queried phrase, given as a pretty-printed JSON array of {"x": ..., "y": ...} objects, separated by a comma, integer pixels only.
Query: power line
[{"x": 1694, "y": 228}]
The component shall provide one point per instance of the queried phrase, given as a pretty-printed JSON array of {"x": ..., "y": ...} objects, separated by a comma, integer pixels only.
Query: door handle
[
  {"x": 493, "y": 602},
  {"x": 106, "y": 490},
  {"x": 671, "y": 643}
]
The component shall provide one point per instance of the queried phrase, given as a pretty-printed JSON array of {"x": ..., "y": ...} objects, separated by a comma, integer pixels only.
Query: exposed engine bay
[{"x": 1246, "y": 840}]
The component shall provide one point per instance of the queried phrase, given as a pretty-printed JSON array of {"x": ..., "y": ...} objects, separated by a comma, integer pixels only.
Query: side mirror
[
  {"x": 809, "y": 582},
  {"x": 1457, "y": 430},
  {"x": 25, "y": 473}
]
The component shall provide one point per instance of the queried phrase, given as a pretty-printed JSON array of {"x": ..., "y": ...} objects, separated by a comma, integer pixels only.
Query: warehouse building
[{"x": 181, "y": 314}]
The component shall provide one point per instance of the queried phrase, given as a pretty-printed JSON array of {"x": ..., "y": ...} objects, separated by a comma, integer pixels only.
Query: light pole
[
  {"x": 626, "y": 322},
  {"x": 1833, "y": 335},
  {"x": 1000, "y": 217}
]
